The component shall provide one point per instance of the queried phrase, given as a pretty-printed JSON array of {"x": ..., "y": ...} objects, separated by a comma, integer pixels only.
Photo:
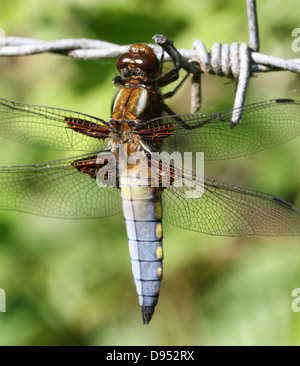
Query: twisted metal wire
[{"x": 88, "y": 49}]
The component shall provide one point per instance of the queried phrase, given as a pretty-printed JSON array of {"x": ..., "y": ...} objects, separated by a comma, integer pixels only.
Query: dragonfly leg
[
  {"x": 171, "y": 93},
  {"x": 183, "y": 123},
  {"x": 172, "y": 75},
  {"x": 179, "y": 62}
]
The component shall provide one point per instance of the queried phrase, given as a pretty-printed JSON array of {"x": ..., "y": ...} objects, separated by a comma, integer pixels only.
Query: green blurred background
[{"x": 69, "y": 282}]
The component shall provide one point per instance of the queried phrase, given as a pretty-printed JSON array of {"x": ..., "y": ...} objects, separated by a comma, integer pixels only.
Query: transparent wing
[
  {"x": 229, "y": 210},
  {"x": 51, "y": 128},
  {"x": 263, "y": 125},
  {"x": 58, "y": 189}
]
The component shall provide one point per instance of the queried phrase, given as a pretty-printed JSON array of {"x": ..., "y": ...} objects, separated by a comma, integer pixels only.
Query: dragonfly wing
[
  {"x": 263, "y": 125},
  {"x": 228, "y": 210},
  {"x": 52, "y": 128},
  {"x": 58, "y": 189}
]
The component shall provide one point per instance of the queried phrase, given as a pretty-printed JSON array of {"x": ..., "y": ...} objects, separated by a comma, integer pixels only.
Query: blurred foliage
[{"x": 69, "y": 282}]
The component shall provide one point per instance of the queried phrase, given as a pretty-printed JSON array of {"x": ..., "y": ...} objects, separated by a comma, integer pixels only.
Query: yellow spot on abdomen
[
  {"x": 159, "y": 272},
  {"x": 158, "y": 210},
  {"x": 159, "y": 252},
  {"x": 158, "y": 231},
  {"x": 126, "y": 192}
]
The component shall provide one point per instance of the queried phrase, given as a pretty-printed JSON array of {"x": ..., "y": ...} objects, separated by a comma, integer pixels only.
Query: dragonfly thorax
[{"x": 137, "y": 102}]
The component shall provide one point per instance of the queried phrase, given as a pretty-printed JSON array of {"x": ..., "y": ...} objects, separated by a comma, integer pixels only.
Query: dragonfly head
[{"x": 140, "y": 60}]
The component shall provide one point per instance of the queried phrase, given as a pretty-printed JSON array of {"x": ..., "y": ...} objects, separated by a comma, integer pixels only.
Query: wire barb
[{"x": 253, "y": 25}]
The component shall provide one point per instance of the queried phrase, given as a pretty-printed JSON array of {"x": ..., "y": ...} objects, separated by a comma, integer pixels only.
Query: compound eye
[{"x": 124, "y": 60}]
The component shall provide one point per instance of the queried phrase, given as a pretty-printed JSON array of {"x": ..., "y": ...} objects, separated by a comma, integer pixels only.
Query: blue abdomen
[{"x": 143, "y": 213}]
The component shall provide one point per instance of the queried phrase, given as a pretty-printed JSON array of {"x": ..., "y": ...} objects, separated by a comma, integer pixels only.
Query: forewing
[
  {"x": 52, "y": 128},
  {"x": 263, "y": 125}
]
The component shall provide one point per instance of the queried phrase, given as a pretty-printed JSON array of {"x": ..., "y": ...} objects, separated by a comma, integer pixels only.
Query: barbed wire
[
  {"x": 238, "y": 60},
  {"x": 220, "y": 61}
]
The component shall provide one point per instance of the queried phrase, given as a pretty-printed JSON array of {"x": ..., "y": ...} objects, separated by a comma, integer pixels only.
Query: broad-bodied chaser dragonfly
[{"x": 70, "y": 189}]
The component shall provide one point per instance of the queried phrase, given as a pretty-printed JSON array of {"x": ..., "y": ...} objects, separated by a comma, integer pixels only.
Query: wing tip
[
  {"x": 283, "y": 203},
  {"x": 283, "y": 101}
]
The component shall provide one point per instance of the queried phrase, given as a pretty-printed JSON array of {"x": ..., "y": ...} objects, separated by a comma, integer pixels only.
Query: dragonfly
[{"x": 101, "y": 182}]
